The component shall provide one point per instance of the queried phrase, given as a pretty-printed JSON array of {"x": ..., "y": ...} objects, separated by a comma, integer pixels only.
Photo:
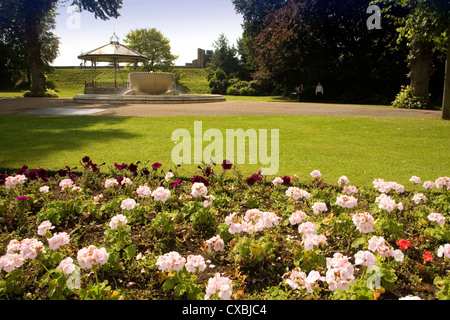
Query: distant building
[{"x": 203, "y": 57}]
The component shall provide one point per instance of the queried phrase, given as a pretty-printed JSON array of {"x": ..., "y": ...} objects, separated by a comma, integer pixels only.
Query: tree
[
  {"x": 426, "y": 25},
  {"x": 328, "y": 41},
  {"x": 32, "y": 16},
  {"x": 153, "y": 44},
  {"x": 15, "y": 62},
  {"x": 224, "y": 57}
]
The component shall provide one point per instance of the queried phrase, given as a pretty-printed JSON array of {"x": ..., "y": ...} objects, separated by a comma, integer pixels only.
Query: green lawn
[{"x": 362, "y": 148}]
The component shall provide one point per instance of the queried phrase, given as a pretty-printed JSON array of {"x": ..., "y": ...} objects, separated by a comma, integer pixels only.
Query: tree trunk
[
  {"x": 446, "y": 99},
  {"x": 36, "y": 63},
  {"x": 421, "y": 66}
]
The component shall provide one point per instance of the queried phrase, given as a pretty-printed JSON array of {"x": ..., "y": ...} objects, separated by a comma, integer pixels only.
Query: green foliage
[
  {"x": 49, "y": 93},
  {"x": 251, "y": 252},
  {"x": 407, "y": 99},
  {"x": 443, "y": 286},
  {"x": 154, "y": 45},
  {"x": 357, "y": 291},
  {"x": 58, "y": 211},
  {"x": 184, "y": 285}
]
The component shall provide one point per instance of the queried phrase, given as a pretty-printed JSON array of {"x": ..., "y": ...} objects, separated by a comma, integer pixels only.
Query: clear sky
[{"x": 188, "y": 24}]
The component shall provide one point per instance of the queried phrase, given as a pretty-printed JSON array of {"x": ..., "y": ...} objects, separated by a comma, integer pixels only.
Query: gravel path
[{"x": 46, "y": 106}]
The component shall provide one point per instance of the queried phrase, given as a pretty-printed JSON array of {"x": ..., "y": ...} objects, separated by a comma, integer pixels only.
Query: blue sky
[{"x": 187, "y": 24}]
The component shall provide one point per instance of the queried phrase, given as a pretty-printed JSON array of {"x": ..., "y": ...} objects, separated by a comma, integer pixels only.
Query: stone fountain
[
  {"x": 151, "y": 83},
  {"x": 150, "y": 88}
]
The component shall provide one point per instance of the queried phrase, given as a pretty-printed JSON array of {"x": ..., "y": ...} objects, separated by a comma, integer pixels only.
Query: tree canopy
[{"x": 153, "y": 44}]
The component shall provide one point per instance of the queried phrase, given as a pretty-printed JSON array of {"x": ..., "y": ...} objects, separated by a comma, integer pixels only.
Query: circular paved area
[{"x": 21, "y": 106}]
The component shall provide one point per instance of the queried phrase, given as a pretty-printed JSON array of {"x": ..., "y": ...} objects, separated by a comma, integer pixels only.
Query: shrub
[
  {"x": 407, "y": 99},
  {"x": 49, "y": 93}
]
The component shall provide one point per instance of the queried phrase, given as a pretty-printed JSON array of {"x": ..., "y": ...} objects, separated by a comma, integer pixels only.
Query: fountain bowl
[{"x": 151, "y": 83}]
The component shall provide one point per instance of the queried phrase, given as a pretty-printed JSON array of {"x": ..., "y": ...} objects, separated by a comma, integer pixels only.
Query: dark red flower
[
  {"x": 227, "y": 165},
  {"x": 404, "y": 244},
  {"x": 207, "y": 172},
  {"x": 86, "y": 159},
  {"x": 2, "y": 179},
  {"x": 175, "y": 183},
  {"x": 200, "y": 179},
  {"x": 33, "y": 174},
  {"x": 22, "y": 198},
  {"x": 121, "y": 167},
  {"x": 286, "y": 180},
  {"x": 156, "y": 165},
  {"x": 132, "y": 167},
  {"x": 23, "y": 170},
  {"x": 253, "y": 179},
  {"x": 62, "y": 173}
]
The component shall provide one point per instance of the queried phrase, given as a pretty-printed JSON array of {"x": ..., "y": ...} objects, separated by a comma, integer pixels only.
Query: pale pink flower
[
  {"x": 297, "y": 217},
  {"x": 350, "y": 190},
  {"x": 44, "y": 189},
  {"x": 363, "y": 221},
  {"x": 233, "y": 221},
  {"x": 161, "y": 194},
  {"x": 10, "y": 262},
  {"x": 415, "y": 179},
  {"x": 428, "y": 184},
  {"x": 118, "y": 221},
  {"x": 169, "y": 175},
  {"x": 410, "y": 297},
  {"x": 343, "y": 180},
  {"x": 215, "y": 243},
  {"x": 111, "y": 183},
  {"x": 195, "y": 263},
  {"x": 437, "y": 217},
  {"x": 92, "y": 256},
  {"x": 58, "y": 240},
  {"x": 66, "y": 184},
  {"x": 27, "y": 248},
  {"x": 12, "y": 181},
  {"x": 128, "y": 204},
  {"x": 66, "y": 266},
  {"x": 442, "y": 182},
  {"x": 386, "y": 203},
  {"x": 319, "y": 207},
  {"x": 297, "y": 193},
  {"x": 297, "y": 278},
  {"x": 419, "y": 197},
  {"x": 199, "y": 190},
  {"x": 307, "y": 228},
  {"x": 277, "y": 181},
  {"x": 316, "y": 174},
  {"x": 44, "y": 227},
  {"x": 222, "y": 286},
  {"x": 380, "y": 246},
  {"x": 144, "y": 191},
  {"x": 126, "y": 181},
  {"x": 387, "y": 186},
  {"x": 444, "y": 250},
  {"x": 345, "y": 201},
  {"x": 339, "y": 273},
  {"x": 98, "y": 198},
  {"x": 76, "y": 188},
  {"x": 365, "y": 258},
  {"x": 311, "y": 241},
  {"x": 171, "y": 261}
]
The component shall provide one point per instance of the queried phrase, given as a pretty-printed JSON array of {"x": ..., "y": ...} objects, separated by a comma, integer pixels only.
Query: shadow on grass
[{"x": 42, "y": 138}]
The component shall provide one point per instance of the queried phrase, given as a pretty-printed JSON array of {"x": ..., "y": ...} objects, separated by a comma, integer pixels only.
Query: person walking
[
  {"x": 301, "y": 91},
  {"x": 319, "y": 92}
]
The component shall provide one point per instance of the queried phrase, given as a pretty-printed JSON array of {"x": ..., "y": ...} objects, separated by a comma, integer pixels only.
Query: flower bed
[{"x": 140, "y": 232}]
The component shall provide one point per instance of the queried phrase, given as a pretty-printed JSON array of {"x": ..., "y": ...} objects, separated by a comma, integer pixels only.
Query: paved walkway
[{"x": 46, "y": 106}]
